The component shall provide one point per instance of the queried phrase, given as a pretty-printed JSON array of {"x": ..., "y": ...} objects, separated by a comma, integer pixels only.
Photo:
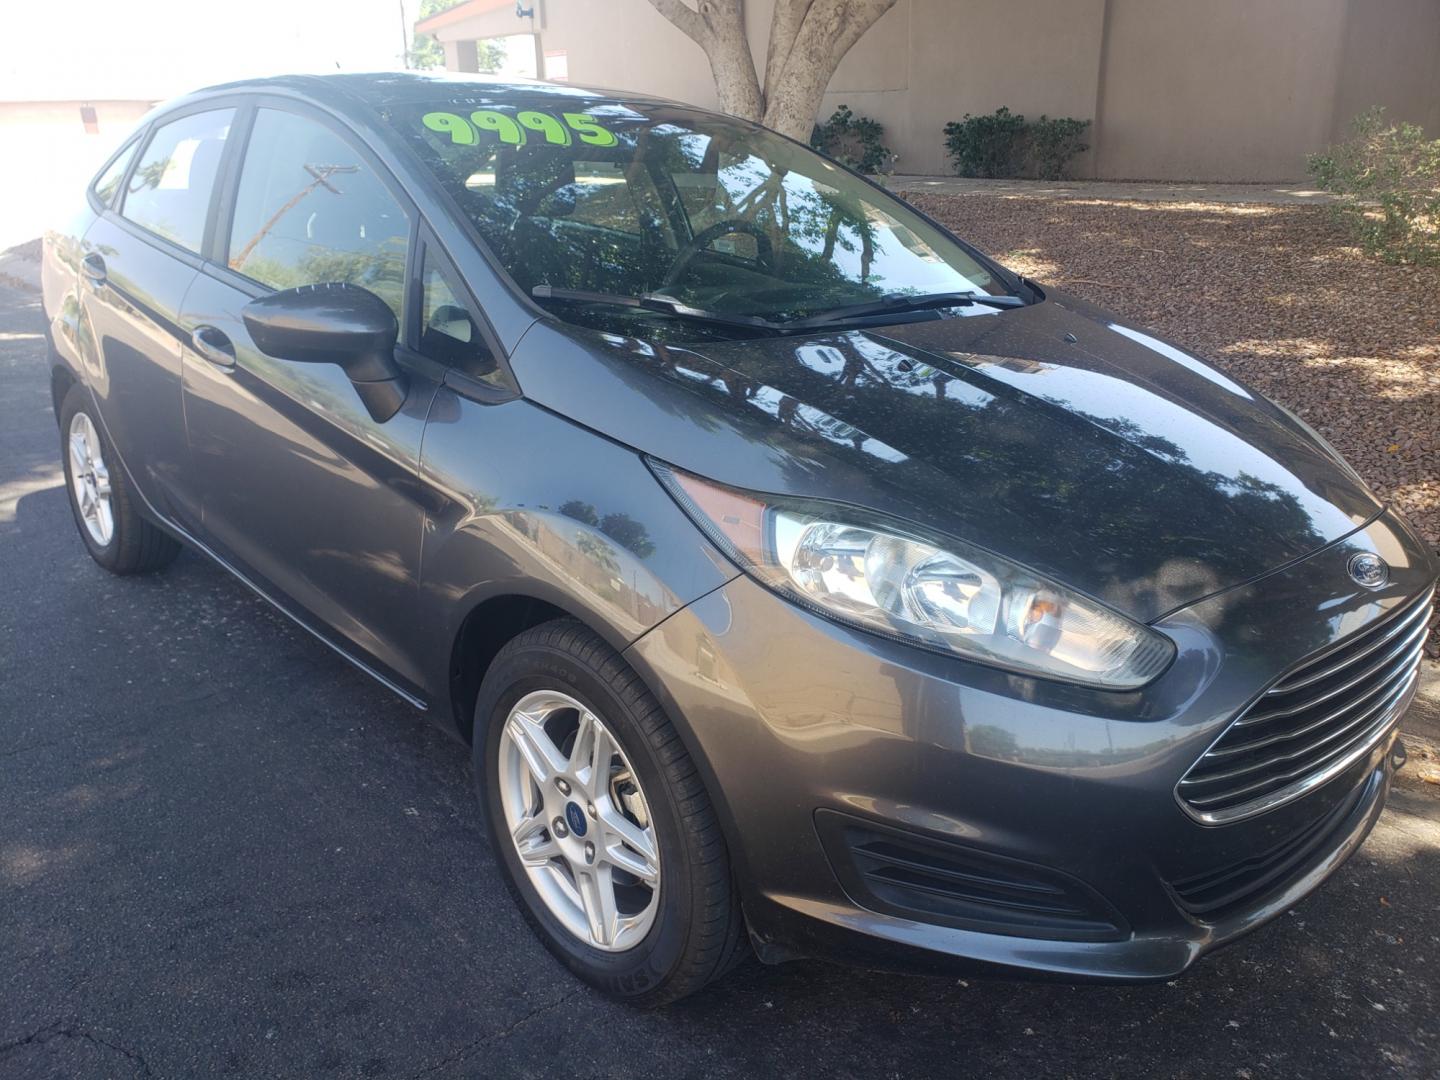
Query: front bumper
[{"x": 810, "y": 735}]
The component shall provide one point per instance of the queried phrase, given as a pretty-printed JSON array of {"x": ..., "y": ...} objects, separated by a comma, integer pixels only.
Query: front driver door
[{"x": 302, "y": 490}]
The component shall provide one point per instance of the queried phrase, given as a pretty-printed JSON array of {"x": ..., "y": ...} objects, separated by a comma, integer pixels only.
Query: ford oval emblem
[
  {"x": 1369, "y": 570},
  {"x": 576, "y": 819}
]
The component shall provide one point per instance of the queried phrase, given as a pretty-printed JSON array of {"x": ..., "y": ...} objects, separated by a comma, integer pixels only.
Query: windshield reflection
[{"x": 630, "y": 199}]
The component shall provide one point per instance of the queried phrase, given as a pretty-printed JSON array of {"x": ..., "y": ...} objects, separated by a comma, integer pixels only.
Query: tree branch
[
  {"x": 784, "y": 26},
  {"x": 686, "y": 18},
  {"x": 857, "y": 16}
]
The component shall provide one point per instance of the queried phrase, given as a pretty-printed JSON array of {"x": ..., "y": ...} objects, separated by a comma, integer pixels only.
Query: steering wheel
[{"x": 764, "y": 249}]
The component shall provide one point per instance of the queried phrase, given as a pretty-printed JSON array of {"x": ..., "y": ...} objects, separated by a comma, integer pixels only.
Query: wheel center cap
[{"x": 575, "y": 818}]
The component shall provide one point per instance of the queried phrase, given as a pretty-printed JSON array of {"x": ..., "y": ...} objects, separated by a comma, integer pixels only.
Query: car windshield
[{"x": 616, "y": 200}]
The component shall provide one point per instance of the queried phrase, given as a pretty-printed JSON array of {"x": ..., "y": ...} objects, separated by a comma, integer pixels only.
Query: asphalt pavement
[{"x": 225, "y": 852}]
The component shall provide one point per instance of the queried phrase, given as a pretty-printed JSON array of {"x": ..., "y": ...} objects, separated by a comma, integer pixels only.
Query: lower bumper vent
[
  {"x": 1218, "y": 892},
  {"x": 896, "y": 872}
]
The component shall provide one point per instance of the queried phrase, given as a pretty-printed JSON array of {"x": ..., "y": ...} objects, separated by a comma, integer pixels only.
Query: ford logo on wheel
[
  {"x": 576, "y": 819},
  {"x": 1369, "y": 570}
]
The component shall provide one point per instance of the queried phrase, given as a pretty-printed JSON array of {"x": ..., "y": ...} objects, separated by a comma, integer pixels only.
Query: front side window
[
  {"x": 107, "y": 184},
  {"x": 449, "y": 331},
  {"x": 641, "y": 201},
  {"x": 310, "y": 210},
  {"x": 169, "y": 191}
]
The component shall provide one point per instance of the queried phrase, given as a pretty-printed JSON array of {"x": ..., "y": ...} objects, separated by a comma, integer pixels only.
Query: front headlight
[{"x": 854, "y": 567}]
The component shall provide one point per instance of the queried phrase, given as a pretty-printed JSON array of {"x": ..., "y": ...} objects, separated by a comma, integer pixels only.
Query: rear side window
[
  {"x": 169, "y": 191},
  {"x": 108, "y": 182},
  {"x": 310, "y": 210}
]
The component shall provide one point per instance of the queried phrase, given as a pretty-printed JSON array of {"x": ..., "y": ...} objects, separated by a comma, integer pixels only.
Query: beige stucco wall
[
  {"x": 1222, "y": 90},
  {"x": 1390, "y": 53},
  {"x": 927, "y": 62},
  {"x": 1225, "y": 90}
]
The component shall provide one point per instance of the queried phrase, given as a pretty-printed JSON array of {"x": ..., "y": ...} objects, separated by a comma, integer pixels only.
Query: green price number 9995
[{"x": 515, "y": 130}]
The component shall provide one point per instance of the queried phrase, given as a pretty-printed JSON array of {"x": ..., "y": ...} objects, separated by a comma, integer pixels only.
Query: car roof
[{"x": 376, "y": 89}]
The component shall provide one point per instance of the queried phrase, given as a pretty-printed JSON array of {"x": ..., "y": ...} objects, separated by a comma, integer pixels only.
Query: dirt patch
[
  {"x": 1272, "y": 294},
  {"x": 1423, "y": 769}
]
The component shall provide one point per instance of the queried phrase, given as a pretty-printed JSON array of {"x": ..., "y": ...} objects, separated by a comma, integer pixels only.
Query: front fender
[{"x": 526, "y": 503}]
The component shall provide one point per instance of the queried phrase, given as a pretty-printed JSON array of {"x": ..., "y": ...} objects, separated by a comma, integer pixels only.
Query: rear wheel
[
  {"x": 113, "y": 531},
  {"x": 599, "y": 819}
]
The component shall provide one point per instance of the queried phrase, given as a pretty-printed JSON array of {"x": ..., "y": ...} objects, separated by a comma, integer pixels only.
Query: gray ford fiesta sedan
[{"x": 803, "y": 580}]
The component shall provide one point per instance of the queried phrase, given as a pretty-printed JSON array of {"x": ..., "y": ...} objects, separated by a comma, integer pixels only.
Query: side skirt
[{"x": 185, "y": 538}]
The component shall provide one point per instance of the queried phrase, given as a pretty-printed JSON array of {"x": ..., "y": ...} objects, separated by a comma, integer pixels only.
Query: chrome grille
[
  {"x": 1235, "y": 886},
  {"x": 1321, "y": 717}
]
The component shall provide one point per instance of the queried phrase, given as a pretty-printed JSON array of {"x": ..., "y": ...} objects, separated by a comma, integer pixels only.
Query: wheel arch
[
  {"x": 491, "y": 622},
  {"x": 495, "y": 619},
  {"x": 61, "y": 380}
]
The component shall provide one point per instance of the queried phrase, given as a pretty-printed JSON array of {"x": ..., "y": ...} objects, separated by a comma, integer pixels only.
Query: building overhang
[{"x": 459, "y": 13}]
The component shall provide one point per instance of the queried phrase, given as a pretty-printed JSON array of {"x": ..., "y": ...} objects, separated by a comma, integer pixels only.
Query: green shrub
[
  {"x": 986, "y": 145},
  {"x": 854, "y": 141},
  {"x": 1052, "y": 143},
  {"x": 1388, "y": 178},
  {"x": 1005, "y": 144}
]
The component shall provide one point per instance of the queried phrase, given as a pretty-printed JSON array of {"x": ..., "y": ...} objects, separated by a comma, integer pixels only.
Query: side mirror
[
  {"x": 453, "y": 322},
  {"x": 334, "y": 324}
]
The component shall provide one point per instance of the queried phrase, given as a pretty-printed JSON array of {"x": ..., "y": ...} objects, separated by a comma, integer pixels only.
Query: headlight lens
[{"x": 955, "y": 599}]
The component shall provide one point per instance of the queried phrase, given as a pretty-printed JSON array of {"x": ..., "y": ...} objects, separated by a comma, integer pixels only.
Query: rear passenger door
[
  {"x": 302, "y": 491},
  {"x": 139, "y": 259}
]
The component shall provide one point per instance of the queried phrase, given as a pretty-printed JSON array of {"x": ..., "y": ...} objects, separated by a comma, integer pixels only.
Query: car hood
[{"x": 1055, "y": 435}]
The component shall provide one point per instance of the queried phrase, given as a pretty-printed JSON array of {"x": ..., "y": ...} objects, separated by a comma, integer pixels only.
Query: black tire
[
  {"x": 137, "y": 546},
  {"x": 698, "y": 932}
]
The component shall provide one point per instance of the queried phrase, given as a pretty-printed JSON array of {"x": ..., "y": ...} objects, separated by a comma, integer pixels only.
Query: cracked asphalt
[{"x": 224, "y": 852}]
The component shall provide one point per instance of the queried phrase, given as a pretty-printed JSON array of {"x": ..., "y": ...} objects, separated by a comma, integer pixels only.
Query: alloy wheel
[
  {"x": 579, "y": 820},
  {"x": 90, "y": 480}
]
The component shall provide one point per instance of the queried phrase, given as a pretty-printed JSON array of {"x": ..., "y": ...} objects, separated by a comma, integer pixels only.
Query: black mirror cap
[{"x": 333, "y": 323}]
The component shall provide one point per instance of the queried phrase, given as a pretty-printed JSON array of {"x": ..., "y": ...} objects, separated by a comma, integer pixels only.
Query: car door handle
[
  {"x": 93, "y": 267},
  {"x": 212, "y": 343}
]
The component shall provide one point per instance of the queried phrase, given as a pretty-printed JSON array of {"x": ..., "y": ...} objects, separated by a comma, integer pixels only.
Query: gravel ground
[{"x": 1271, "y": 293}]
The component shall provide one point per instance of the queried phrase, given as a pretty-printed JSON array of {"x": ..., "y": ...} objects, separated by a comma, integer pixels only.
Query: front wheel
[{"x": 599, "y": 819}]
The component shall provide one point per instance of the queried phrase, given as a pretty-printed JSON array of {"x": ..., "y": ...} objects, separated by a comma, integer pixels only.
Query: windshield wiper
[
  {"x": 898, "y": 302},
  {"x": 655, "y": 302},
  {"x": 668, "y": 305}
]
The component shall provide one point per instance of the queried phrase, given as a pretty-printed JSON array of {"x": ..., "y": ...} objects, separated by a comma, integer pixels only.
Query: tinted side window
[
  {"x": 169, "y": 192},
  {"x": 309, "y": 210},
  {"x": 108, "y": 182}
]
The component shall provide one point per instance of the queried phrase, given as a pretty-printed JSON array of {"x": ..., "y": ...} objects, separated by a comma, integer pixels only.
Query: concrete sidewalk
[{"x": 1143, "y": 191}]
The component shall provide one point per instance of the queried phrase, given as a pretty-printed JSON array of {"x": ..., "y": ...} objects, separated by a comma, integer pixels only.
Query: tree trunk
[
  {"x": 718, "y": 27},
  {"x": 808, "y": 39},
  {"x": 825, "y": 32}
]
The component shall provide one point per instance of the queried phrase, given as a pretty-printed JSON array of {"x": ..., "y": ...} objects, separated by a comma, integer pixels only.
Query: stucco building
[{"x": 1222, "y": 90}]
